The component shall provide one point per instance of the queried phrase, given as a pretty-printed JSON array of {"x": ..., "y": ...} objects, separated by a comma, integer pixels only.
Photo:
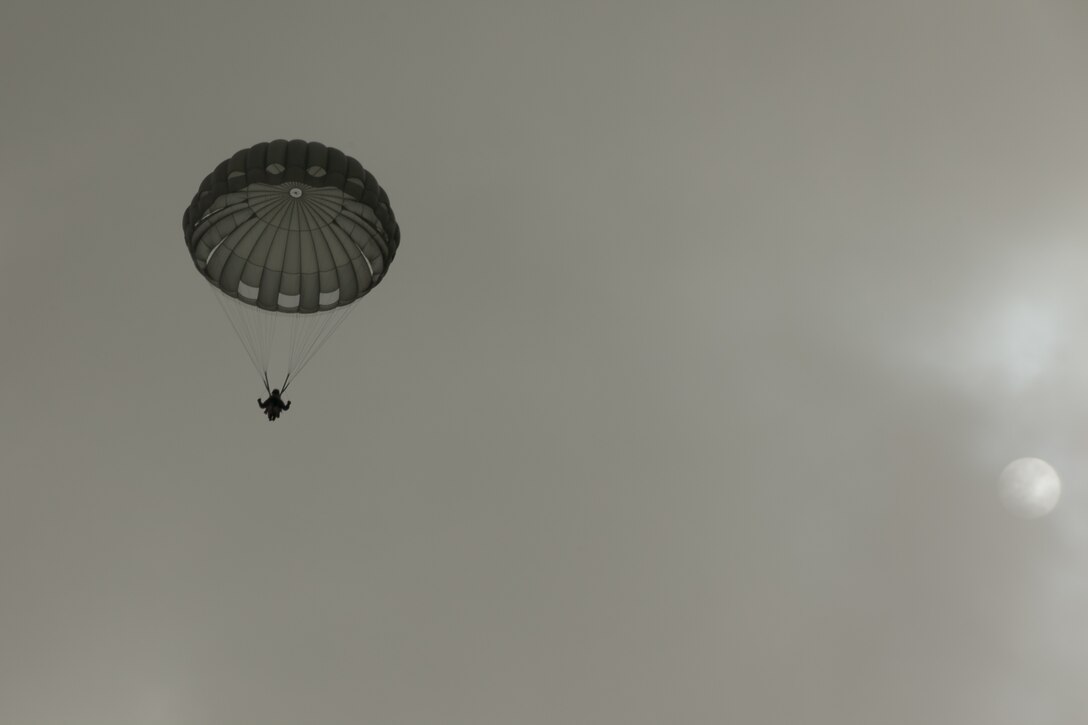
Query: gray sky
[{"x": 684, "y": 401}]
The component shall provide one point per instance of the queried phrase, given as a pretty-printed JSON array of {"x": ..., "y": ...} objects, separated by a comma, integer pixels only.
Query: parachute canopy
[{"x": 290, "y": 231}]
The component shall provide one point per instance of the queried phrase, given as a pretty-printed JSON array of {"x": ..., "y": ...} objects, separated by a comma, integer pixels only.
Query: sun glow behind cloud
[{"x": 1011, "y": 325}]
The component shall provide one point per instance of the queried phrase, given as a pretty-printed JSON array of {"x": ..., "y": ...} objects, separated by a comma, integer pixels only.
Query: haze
[{"x": 684, "y": 402}]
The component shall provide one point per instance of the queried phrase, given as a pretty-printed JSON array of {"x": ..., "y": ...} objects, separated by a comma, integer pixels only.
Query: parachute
[{"x": 289, "y": 235}]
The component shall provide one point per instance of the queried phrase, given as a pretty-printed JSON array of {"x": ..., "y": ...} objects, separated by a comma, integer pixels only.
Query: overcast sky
[{"x": 712, "y": 327}]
